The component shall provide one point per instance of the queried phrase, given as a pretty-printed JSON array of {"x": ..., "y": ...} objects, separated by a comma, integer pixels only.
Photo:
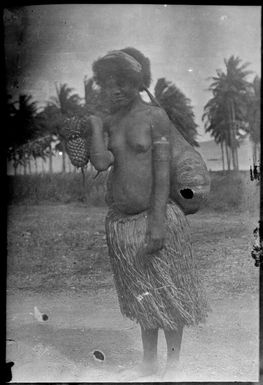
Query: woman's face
[{"x": 120, "y": 93}]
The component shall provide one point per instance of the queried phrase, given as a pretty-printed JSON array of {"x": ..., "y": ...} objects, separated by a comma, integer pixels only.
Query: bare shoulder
[{"x": 160, "y": 121}]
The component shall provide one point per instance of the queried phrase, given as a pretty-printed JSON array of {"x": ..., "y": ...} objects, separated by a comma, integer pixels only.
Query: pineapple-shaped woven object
[{"x": 76, "y": 133}]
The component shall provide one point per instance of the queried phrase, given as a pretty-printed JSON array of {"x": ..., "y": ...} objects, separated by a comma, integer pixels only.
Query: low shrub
[
  {"x": 229, "y": 191},
  {"x": 60, "y": 188},
  {"x": 233, "y": 191}
]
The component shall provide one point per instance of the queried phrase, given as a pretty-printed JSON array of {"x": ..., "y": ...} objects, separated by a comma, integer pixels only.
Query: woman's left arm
[{"x": 156, "y": 230}]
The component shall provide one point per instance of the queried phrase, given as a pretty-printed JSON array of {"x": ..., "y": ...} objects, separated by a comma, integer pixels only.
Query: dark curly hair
[{"x": 102, "y": 69}]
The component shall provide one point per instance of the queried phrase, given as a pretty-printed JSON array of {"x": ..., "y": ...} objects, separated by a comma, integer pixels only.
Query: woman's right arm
[{"x": 100, "y": 157}]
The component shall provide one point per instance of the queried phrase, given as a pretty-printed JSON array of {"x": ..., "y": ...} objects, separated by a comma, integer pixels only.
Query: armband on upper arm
[{"x": 161, "y": 150}]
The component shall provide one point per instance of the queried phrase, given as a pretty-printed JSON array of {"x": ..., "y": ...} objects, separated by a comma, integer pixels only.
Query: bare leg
[
  {"x": 149, "y": 365},
  {"x": 173, "y": 341},
  {"x": 149, "y": 342}
]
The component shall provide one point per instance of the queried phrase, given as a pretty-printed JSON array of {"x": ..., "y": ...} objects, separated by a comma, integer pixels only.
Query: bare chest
[{"x": 132, "y": 135}]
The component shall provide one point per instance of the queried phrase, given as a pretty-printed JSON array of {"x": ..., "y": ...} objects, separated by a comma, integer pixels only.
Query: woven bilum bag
[
  {"x": 77, "y": 135},
  {"x": 189, "y": 177}
]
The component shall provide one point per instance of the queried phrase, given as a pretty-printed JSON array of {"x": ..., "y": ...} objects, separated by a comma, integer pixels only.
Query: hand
[
  {"x": 154, "y": 242},
  {"x": 155, "y": 237}
]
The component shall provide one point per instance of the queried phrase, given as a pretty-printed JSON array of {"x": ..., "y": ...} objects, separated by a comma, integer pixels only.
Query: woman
[{"x": 147, "y": 232}]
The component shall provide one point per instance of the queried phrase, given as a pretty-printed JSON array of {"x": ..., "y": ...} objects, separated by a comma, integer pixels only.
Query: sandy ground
[
  {"x": 58, "y": 262},
  {"x": 60, "y": 349}
]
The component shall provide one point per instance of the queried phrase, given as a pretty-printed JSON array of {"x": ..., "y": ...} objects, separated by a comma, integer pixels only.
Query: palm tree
[
  {"x": 225, "y": 113},
  {"x": 69, "y": 104},
  {"x": 91, "y": 95},
  {"x": 23, "y": 125},
  {"x": 216, "y": 123},
  {"x": 22, "y": 119},
  {"x": 51, "y": 122},
  {"x": 95, "y": 102},
  {"x": 178, "y": 108}
]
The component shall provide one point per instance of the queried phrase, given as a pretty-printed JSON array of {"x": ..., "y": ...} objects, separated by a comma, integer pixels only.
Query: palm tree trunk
[
  {"x": 254, "y": 153},
  {"x": 233, "y": 135},
  {"x": 254, "y": 148},
  {"x": 15, "y": 168},
  {"x": 231, "y": 146},
  {"x": 222, "y": 152},
  {"x": 29, "y": 166},
  {"x": 233, "y": 158},
  {"x": 227, "y": 158},
  {"x": 36, "y": 168},
  {"x": 50, "y": 160},
  {"x": 63, "y": 158},
  {"x": 230, "y": 142},
  {"x": 43, "y": 166},
  {"x": 237, "y": 162},
  {"x": 25, "y": 170}
]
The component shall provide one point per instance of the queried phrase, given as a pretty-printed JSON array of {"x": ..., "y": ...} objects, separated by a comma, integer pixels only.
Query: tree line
[{"x": 232, "y": 114}]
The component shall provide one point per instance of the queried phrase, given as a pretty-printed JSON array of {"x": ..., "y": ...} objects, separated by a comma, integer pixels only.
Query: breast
[
  {"x": 131, "y": 177},
  {"x": 138, "y": 138},
  {"x": 116, "y": 141},
  {"x": 140, "y": 145}
]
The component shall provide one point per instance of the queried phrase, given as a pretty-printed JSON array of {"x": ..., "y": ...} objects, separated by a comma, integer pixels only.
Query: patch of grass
[
  {"x": 222, "y": 245},
  {"x": 55, "y": 246}
]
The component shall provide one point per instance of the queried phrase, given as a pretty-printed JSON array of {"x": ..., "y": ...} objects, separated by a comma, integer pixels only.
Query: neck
[{"x": 135, "y": 101}]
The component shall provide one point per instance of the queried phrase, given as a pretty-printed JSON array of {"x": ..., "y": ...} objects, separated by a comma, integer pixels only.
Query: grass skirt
[{"x": 164, "y": 290}]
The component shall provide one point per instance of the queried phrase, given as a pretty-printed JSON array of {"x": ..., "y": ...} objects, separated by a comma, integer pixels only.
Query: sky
[{"x": 51, "y": 44}]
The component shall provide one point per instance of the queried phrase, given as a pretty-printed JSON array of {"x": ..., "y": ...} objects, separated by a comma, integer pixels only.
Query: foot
[
  {"x": 172, "y": 372},
  {"x": 142, "y": 370},
  {"x": 148, "y": 369}
]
